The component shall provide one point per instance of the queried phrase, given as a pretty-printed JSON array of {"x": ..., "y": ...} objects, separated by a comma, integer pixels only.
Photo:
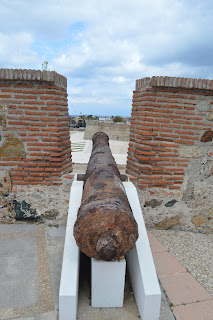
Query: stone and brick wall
[
  {"x": 34, "y": 132},
  {"x": 115, "y": 131},
  {"x": 171, "y": 138}
]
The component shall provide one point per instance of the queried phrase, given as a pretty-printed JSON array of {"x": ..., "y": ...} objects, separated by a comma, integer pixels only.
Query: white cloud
[
  {"x": 104, "y": 46},
  {"x": 90, "y": 100},
  {"x": 119, "y": 79},
  {"x": 74, "y": 90},
  {"x": 15, "y": 50}
]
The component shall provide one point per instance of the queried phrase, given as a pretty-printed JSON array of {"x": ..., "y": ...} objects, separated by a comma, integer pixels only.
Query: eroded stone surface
[
  {"x": 12, "y": 148},
  {"x": 5, "y": 182}
]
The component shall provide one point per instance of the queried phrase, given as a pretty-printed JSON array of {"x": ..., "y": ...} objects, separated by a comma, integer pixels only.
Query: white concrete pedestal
[
  {"x": 107, "y": 283},
  {"x": 108, "y": 278},
  {"x": 68, "y": 294},
  {"x": 141, "y": 266}
]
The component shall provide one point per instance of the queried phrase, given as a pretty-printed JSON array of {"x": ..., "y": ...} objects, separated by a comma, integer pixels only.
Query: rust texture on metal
[{"x": 105, "y": 228}]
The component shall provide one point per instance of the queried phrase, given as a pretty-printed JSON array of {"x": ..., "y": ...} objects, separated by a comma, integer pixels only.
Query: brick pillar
[
  {"x": 171, "y": 122},
  {"x": 34, "y": 132}
]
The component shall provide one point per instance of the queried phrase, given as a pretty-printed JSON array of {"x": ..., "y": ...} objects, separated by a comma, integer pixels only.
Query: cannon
[{"x": 105, "y": 228}]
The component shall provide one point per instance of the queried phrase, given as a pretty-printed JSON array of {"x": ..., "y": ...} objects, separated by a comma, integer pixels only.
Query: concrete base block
[
  {"x": 141, "y": 266},
  {"x": 68, "y": 294},
  {"x": 107, "y": 283}
]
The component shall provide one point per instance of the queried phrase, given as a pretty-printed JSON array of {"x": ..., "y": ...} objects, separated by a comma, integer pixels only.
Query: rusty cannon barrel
[{"x": 105, "y": 228}]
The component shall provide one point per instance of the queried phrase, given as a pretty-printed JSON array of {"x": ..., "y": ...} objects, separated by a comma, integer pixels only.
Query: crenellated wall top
[
  {"x": 174, "y": 82},
  {"x": 33, "y": 75}
]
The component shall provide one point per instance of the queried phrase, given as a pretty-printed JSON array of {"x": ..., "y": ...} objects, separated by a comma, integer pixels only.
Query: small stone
[
  {"x": 170, "y": 203},
  {"x": 210, "y": 116},
  {"x": 199, "y": 220},
  {"x": 2, "y": 120},
  {"x": 207, "y": 136},
  {"x": 51, "y": 214},
  {"x": 168, "y": 222},
  {"x": 153, "y": 203},
  {"x": 5, "y": 182},
  {"x": 23, "y": 210}
]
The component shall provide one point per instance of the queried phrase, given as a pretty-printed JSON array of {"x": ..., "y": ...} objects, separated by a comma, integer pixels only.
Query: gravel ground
[{"x": 193, "y": 250}]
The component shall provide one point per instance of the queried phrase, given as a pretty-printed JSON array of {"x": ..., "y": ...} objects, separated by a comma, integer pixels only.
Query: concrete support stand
[
  {"x": 141, "y": 266},
  {"x": 68, "y": 294},
  {"x": 108, "y": 280}
]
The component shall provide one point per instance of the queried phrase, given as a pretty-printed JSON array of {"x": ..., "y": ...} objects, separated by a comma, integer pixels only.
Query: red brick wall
[
  {"x": 167, "y": 114},
  {"x": 34, "y": 126}
]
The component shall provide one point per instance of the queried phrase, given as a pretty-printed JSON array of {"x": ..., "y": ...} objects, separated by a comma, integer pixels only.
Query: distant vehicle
[{"x": 81, "y": 123}]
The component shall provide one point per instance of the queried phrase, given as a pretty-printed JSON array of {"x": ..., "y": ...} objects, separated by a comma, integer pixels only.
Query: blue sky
[{"x": 103, "y": 46}]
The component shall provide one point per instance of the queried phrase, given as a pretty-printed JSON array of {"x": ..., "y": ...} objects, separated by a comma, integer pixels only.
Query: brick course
[{"x": 34, "y": 104}]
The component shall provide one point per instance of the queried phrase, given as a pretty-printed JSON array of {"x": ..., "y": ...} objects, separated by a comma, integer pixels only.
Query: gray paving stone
[
  {"x": 23, "y": 318},
  {"x": 58, "y": 232},
  {"x": 16, "y": 228},
  {"x": 165, "y": 311},
  {"x": 19, "y": 283},
  {"x": 53, "y": 315},
  {"x": 55, "y": 249}
]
